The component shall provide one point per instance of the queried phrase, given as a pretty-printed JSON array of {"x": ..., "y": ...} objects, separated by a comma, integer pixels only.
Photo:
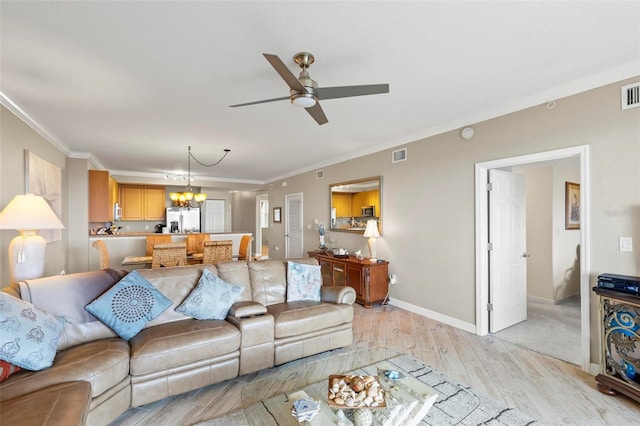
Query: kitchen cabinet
[
  {"x": 341, "y": 201},
  {"x": 103, "y": 193},
  {"x": 142, "y": 202},
  {"x": 365, "y": 199},
  {"x": 369, "y": 280},
  {"x": 620, "y": 336}
]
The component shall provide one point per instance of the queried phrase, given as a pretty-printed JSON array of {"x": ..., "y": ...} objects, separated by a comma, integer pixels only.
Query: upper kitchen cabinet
[
  {"x": 142, "y": 202},
  {"x": 103, "y": 194}
]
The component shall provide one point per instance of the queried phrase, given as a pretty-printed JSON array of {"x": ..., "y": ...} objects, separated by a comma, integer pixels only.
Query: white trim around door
[{"x": 482, "y": 233}]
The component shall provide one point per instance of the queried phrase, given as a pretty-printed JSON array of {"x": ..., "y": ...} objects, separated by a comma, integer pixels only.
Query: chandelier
[{"x": 188, "y": 199}]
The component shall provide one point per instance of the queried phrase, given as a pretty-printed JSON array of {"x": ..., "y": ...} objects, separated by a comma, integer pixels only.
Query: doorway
[
  {"x": 293, "y": 225},
  {"x": 482, "y": 238}
]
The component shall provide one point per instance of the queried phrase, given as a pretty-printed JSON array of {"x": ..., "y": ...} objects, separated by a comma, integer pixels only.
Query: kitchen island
[{"x": 135, "y": 244}]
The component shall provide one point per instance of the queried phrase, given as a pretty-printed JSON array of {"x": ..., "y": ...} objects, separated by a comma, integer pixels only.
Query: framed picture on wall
[
  {"x": 572, "y": 205},
  {"x": 45, "y": 179},
  {"x": 277, "y": 215}
]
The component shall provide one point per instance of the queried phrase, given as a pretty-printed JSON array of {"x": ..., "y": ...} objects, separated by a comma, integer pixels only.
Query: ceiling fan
[{"x": 305, "y": 92}]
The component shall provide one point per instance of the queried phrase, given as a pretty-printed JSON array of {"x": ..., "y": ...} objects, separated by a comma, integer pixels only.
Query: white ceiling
[{"x": 132, "y": 84}]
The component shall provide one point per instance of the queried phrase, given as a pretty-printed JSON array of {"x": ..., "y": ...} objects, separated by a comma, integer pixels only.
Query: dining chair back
[
  {"x": 217, "y": 251},
  {"x": 244, "y": 252},
  {"x": 195, "y": 242},
  {"x": 103, "y": 253},
  {"x": 152, "y": 240},
  {"x": 167, "y": 255}
]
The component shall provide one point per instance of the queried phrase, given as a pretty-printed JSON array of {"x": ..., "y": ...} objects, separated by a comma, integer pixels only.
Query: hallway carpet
[{"x": 552, "y": 330}]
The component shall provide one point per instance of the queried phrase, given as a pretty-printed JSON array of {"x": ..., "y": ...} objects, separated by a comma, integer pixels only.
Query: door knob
[{"x": 525, "y": 254}]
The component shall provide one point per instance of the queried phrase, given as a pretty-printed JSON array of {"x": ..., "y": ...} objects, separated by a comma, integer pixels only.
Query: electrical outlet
[
  {"x": 393, "y": 279},
  {"x": 625, "y": 244},
  {"x": 146, "y": 227}
]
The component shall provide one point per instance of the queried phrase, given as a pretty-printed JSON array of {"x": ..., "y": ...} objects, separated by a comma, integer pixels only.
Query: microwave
[{"x": 369, "y": 211}]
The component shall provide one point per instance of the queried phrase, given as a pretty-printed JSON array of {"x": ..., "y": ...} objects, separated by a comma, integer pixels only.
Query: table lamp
[
  {"x": 371, "y": 232},
  {"x": 27, "y": 214}
]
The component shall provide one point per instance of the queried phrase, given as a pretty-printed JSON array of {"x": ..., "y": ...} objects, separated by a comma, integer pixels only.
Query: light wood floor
[{"x": 550, "y": 390}]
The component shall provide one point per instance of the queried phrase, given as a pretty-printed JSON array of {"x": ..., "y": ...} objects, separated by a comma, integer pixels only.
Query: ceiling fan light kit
[{"x": 304, "y": 91}]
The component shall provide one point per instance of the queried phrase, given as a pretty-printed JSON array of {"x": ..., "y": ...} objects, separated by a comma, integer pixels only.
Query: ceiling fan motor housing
[{"x": 305, "y": 99}]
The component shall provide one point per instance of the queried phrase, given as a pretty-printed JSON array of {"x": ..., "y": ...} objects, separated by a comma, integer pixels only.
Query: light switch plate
[{"x": 625, "y": 244}]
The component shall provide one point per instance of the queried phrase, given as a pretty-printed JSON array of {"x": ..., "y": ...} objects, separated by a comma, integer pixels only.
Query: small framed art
[
  {"x": 572, "y": 205},
  {"x": 277, "y": 215}
]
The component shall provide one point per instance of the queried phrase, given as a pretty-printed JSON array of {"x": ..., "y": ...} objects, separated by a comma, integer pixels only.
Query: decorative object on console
[
  {"x": 371, "y": 232},
  {"x": 27, "y": 214},
  {"x": 188, "y": 198}
]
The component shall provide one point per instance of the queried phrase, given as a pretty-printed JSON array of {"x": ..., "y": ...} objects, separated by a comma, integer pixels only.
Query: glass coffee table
[{"x": 268, "y": 399}]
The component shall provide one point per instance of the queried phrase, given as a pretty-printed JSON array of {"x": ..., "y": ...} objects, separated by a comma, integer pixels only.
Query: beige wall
[
  {"x": 15, "y": 137},
  {"x": 428, "y": 200}
]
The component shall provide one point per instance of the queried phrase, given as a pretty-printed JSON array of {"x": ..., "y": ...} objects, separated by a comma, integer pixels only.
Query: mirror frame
[{"x": 378, "y": 213}]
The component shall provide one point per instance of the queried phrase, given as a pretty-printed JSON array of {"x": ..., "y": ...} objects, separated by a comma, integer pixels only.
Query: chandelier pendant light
[{"x": 188, "y": 199}]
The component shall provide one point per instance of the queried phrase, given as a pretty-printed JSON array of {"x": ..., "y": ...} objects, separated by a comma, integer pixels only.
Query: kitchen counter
[{"x": 135, "y": 244}]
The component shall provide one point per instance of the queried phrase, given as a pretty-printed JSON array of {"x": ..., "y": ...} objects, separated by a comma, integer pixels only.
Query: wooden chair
[
  {"x": 244, "y": 252},
  {"x": 217, "y": 251},
  {"x": 195, "y": 242},
  {"x": 103, "y": 253},
  {"x": 152, "y": 240},
  {"x": 167, "y": 255}
]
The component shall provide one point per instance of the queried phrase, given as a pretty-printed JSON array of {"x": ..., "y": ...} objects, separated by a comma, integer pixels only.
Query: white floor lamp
[{"x": 27, "y": 214}]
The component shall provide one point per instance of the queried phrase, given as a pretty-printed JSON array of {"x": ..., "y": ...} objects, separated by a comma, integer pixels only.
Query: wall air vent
[
  {"x": 319, "y": 174},
  {"x": 399, "y": 155},
  {"x": 630, "y": 95}
]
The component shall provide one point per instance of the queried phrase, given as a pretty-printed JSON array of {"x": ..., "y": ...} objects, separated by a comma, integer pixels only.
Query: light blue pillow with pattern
[
  {"x": 129, "y": 305},
  {"x": 28, "y": 335},
  {"x": 303, "y": 282},
  {"x": 211, "y": 298}
]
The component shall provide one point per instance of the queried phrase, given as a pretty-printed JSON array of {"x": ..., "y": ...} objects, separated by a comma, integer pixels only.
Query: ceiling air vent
[
  {"x": 630, "y": 96},
  {"x": 399, "y": 155}
]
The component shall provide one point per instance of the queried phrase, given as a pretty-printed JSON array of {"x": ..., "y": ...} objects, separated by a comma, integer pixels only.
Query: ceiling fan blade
[
  {"x": 261, "y": 102},
  {"x": 318, "y": 114},
  {"x": 348, "y": 91},
  {"x": 291, "y": 80}
]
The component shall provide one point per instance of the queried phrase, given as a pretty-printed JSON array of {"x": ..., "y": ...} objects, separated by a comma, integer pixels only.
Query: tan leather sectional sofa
[{"x": 174, "y": 353}]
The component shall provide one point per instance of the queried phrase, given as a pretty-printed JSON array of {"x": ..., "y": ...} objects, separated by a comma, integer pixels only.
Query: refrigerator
[{"x": 187, "y": 220}]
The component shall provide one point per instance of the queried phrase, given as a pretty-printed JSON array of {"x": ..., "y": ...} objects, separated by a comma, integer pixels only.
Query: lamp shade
[
  {"x": 372, "y": 229},
  {"x": 29, "y": 212}
]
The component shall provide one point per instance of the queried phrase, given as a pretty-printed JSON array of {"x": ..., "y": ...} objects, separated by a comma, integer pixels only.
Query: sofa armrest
[
  {"x": 247, "y": 309},
  {"x": 342, "y": 295}
]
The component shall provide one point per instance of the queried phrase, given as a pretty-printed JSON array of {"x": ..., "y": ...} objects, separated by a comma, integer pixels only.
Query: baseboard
[
  {"x": 542, "y": 300},
  {"x": 594, "y": 369},
  {"x": 454, "y": 322}
]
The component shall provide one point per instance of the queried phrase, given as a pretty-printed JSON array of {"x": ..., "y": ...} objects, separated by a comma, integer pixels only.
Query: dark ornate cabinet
[
  {"x": 620, "y": 333},
  {"x": 369, "y": 280}
]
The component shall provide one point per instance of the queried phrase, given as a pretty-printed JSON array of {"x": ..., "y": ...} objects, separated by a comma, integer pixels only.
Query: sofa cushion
[
  {"x": 129, "y": 305},
  {"x": 303, "y": 282},
  {"x": 296, "y": 318},
  {"x": 237, "y": 273},
  {"x": 63, "y": 404},
  {"x": 181, "y": 342},
  {"x": 29, "y": 335},
  {"x": 210, "y": 299},
  {"x": 103, "y": 363},
  {"x": 175, "y": 283},
  {"x": 79, "y": 289}
]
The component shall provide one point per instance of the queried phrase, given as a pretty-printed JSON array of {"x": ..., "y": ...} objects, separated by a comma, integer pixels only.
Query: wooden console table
[
  {"x": 369, "y": 279},
  {"x": 620, "y": 332}
]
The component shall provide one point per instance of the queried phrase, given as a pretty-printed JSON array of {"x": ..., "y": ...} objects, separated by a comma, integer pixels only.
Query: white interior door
[
  {"x": 293, "y": 225},
  {"x": 507, "y": 254},
  {"x": 213, "y": 216}
]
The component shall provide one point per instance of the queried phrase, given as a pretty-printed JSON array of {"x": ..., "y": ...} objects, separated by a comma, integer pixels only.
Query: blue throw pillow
[
  {"x": 129, "y": 305},
  {"x": 303, "y": 282},
  {"x": 211, "y": 298},
  {"x": 28, "y": 335}
]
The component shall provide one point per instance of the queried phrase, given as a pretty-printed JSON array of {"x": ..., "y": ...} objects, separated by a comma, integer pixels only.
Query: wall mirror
[{"x": 355, "y": 202}]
